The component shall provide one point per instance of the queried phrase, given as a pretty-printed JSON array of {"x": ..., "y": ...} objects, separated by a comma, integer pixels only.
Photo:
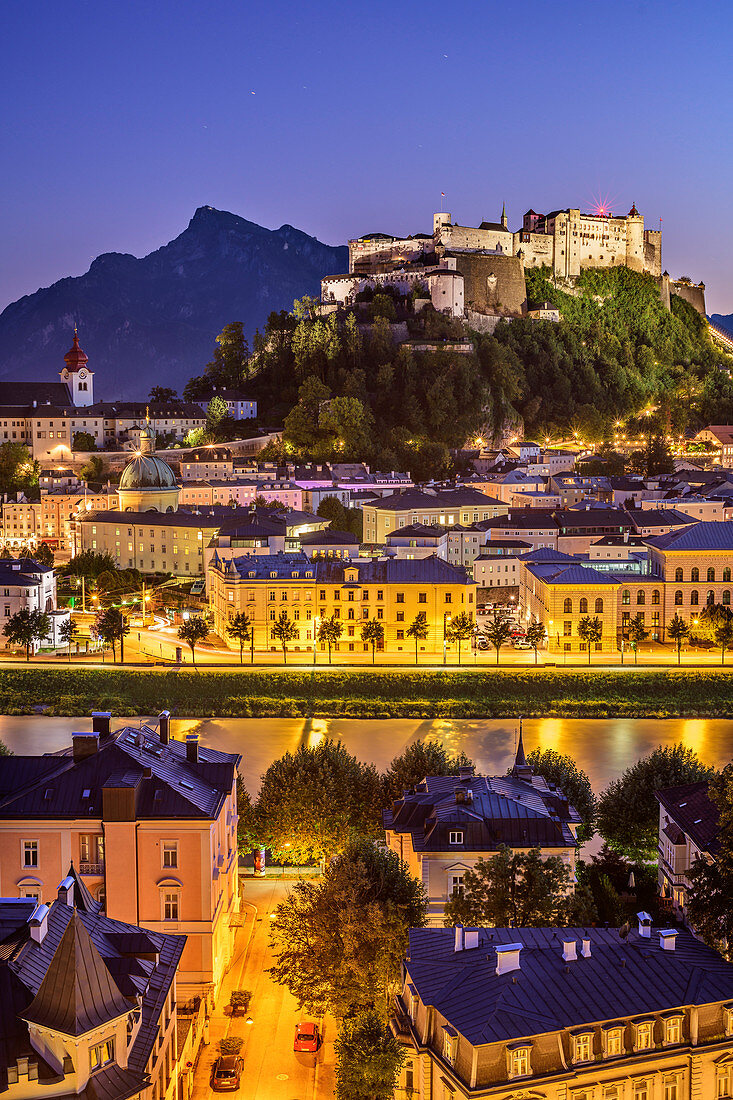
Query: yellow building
[
  {"x": 393, "y": 591},
  {"x": 564, "y": 1014},
  {"x": 446, "y": 507}
]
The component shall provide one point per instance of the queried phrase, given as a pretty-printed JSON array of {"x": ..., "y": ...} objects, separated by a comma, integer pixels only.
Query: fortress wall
[
  {"x": 692, "y": 293},
  {"x": 493, "y": 284}
]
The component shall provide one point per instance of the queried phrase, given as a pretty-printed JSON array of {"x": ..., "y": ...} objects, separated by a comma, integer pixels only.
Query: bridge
[{"x": 720, "y": 336}]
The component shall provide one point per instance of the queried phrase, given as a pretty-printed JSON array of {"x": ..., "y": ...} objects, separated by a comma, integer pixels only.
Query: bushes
[{"x": 419, "y": 694}]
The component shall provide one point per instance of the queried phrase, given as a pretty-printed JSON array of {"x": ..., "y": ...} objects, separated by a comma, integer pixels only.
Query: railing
[{"x": 86, "y": 868}]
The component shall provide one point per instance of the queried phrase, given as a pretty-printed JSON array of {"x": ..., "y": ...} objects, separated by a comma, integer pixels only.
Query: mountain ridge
[{"x": 154, "y": 319}]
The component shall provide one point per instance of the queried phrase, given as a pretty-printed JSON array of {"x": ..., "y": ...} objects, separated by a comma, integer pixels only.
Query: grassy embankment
[{"x": 546, "y": 692}]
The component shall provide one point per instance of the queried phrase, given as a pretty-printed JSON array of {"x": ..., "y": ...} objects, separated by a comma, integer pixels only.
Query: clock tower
[{"x": 77, "y": 376}]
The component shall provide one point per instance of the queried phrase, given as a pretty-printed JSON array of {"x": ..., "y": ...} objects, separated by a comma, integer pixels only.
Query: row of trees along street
[{"x": 338, "y": 939}]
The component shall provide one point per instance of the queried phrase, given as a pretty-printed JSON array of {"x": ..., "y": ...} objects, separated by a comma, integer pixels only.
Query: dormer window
[
  {"x": 644, "y": 1035},
  {"x": 613, "y": 1041},
  {"x": 673, "y": 1030},
  {"x": 412, "y": 1002},
  {"x": 518, "y": 1061},
  {"x": 455, "y": 836},
  {"x": 583, "y": 1046},
  {"x": 450, "y": 1043},
  {"x": 101, "y": 1055}
]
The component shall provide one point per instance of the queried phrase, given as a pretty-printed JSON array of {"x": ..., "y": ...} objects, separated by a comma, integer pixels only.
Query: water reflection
[{"x": 601, "y": 747}]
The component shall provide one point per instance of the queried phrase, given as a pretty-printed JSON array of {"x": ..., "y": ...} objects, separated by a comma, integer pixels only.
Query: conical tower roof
[
  {"x": 78, "y": 993},
  {"x": 75, "y": 357}
]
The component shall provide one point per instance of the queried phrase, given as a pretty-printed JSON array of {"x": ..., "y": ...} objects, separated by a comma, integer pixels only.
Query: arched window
[
  {"x": 568, "y": 607},
  {"x": 655, "y": 596},
  {"x": 726, "y": 598},
  {"x": 726, "y": 575},
  {"x": 695, "y": 575},
  {"x": 694, "y": 599},
  {"x": 711, "y": 575},
  {"x": 678, "y": 599},
  {"x": 641, "y": 596},
  {"x": 599, "y": 606},
  {"x": 710, "y": 598},
  {"x": 625, "y": 596},
  {"x": 584, "y": 606},
  {"x": 678, "y": 574}
]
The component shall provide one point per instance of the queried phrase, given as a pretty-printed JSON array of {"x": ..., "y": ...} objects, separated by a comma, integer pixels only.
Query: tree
[
  {"x": 216, "y": 410},
  {"x": 43, "y": 554},
  {"x": 26, "y": 627},
  {"x": 628, "y": 812},
  {"x": 498, "y": 631},
  {"x": 724, "y": 638},
  {"x": 284, "y": 630},
  {"x": 590, "y": 631},
  {"x": 111, "y": 627},
  {"x": 193, "y": 631},
  {"x": 459, "y": 629},
  {"x": 313, "y": 801},
  {"x": 68, "y": 631},
  {"x": 90, "y": 564},
  {"x": 709, "y": 908},
  {"x": 511, "y": 889},
  {"x": 419, "y": 760},
  {"x": 373, "y": 632},
  {"x": 329, "y": 632},
  {"x": 536, "y": 634},
  {"x": 248, "y": 827},
  {"x": 333, "y": 510},
  {"x": 93, "y": 471},
  {"x": 240, "y": 627},
  {"x": 574, "y": 784},
  {"x": 339, "y": 941},
  {"x": 161, "y": 395},
  {"x": 18, "y": 471},
  {"x": 678, "y": 630},
  {"x": 83, "y": 441},
  {"x": 369, "y": 1059},
  {"x": 418, "y": 629},
  {"x": 637, "y": 633}
]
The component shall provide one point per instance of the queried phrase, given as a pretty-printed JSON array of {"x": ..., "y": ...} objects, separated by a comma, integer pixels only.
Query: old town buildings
[{"x": 689, "y": 829}]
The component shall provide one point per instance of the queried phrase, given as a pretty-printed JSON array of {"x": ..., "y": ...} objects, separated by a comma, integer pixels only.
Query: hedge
[{"x": 420, "y": 694}]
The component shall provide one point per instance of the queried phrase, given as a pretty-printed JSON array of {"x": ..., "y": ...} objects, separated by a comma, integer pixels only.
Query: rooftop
[{"x": 693, "y": 810}]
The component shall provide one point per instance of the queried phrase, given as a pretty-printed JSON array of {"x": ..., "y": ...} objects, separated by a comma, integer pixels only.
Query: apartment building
[
  {"x": 88, "y": 1005},
  {"x": 392, "y": 590},
  {"x": 443, "y": 506},
  {"x": 447, "y": 823},
  {"x": 689, "y": 829},
  {"x": 564, "y": 1014},
  {"x": 149, "y": 822}
]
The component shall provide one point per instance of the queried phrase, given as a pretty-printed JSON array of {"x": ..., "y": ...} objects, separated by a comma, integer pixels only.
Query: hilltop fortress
[{"x": 480, "y": 271}]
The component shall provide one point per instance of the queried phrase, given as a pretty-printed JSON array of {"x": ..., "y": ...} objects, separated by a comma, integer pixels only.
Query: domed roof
[
  {"x": 145, "y": 471},
  {"x": 75, "y": 357}
]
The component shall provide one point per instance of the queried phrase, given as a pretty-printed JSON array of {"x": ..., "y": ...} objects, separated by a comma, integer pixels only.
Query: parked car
[
  {"x": 521, "y": 643},
  {"x": 482, "y": 641},
  {"x": 227, "y": 1073},
  {"x": 307, "y": 1038}
]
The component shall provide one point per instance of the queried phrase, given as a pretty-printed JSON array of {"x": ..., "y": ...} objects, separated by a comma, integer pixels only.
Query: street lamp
[
  {"x": 316, "y": 624},
  {"x": 446, "y": 618}
]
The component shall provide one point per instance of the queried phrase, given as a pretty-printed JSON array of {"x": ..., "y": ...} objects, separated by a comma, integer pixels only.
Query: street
[{"x": 272, "y": 1071}]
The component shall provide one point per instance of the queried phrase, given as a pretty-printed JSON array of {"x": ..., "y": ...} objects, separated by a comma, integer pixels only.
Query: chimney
[
  {"x": 100, "y": 722},
  {"x": 164, "y": 726},
  {"x": 507, "y": 957},
  {"x": 645, "y": 925},
  {"x": 471, "y": 939},
  {"x": 84, "y": 745},
  {"x": 65, "y": 892},
  {"x": 466, "y": 771},
  {"x": 667, "y": 937},
  {"x": 38, "y": 922},
  {"x": 569, "y": 950},
  {"x": 458, "y": 938},
  {"x": 586, "y": 949},
  {"x": 192, "y": 748}
]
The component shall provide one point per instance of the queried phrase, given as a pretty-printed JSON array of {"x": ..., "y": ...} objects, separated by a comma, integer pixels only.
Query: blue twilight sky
[{"x": 120, "y": 117}]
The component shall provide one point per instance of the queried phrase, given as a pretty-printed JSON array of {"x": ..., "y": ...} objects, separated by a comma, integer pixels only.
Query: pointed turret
[
  {"x": 504, "y": 219},
  {"x": 521, "y": 769},
  {"x": 75, "y": 357}
]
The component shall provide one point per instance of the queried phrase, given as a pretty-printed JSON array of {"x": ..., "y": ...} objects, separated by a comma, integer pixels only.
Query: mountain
[
  {"x": 723, "y": 321},
  {"x": 154, "y": 320}
]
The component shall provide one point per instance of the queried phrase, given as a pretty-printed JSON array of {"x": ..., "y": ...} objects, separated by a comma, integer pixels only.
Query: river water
[{"x": 601, "y": 747}]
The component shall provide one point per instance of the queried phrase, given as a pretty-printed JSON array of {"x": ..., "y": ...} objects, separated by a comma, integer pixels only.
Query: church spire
[{"x": 504, "y": 219}]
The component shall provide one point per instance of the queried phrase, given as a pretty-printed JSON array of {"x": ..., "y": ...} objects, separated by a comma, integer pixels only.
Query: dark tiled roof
[
  {"x": 25, "y": 393},
  {"x": 621, "y": 978},
  {"x": 691, "y": 808},
  {"x": 413, "y": 499},
  {"x": 429, "y": 570},
  {"x": 328, "y": 537},
  {"x": 702, "y": 536}
]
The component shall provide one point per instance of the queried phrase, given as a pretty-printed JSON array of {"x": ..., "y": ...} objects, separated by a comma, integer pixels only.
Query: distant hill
[
  {"x": 154, "y": 320},
  {"x": 723, "y": 321}
]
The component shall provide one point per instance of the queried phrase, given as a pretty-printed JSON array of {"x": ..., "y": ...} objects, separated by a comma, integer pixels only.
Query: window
[
  {"x": 567, "y": 629},
  {"x": 695, "y": 575},
  {"x": 380, "y": 594},
  {"x": 610, "y": 1092},
  {"x": 614, "y": 1042},
  {"x": 625, "y": 596},
  {"x": 583, "y": 609},
  {"x": 450, "y": 1044},
  {"x": 400, "y": 616},
  {"x": 672, "y": 1088},
  {"x": 170, "y": 905},
  {"x": 644, "y": 1035},
  {"x": 30, "y": 853},
  {"x": 673, "y": 1030},
  {"x": 678, "y": 599},
  {"x": 170, "y": 853},
  {"x": 456, "y": 885},
  {"x": 456, "y": 836},
  {"x": 422, "y": 597},
  {"x": 694, "y": 598},
  {"x": 567, "y": 607},
  {"x": 102, "y": 1054},
  {"x": 655, "y": 597},
  {"x": 599, "y": 606},
  {"x": 711, "y": 575},
  {"x": 710, "y": 598},
  {"x": 448, "y": 597},
  {"x": 519, "y": 1062},
  {"x": 724, "y": 1081},
  {"x": 582, "y": 1047},
  {"x": 640, "y": 597},
  {"x": 641, "y": 1090},
  {"x": 726, "y": 575}
]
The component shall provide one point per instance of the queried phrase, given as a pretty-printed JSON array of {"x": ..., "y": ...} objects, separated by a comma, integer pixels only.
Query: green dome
[{"x": 145, "y": 471}]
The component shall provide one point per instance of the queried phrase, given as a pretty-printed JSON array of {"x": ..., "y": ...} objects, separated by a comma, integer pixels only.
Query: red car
[{"x": 307, "y": 1038}]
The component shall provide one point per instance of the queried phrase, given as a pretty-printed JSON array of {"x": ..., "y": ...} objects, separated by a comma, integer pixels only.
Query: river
[{"x": 601, "y": 747}]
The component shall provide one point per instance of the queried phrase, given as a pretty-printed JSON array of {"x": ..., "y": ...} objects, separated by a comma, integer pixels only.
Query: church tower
[
  {"x": 77, "y": 376},
  {"x": 504, "y": 219}
]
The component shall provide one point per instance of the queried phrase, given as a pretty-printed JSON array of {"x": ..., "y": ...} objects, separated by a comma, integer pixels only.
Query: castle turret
[
  {"x": 504, "y": 219},
  {"x": 77, "y": 376}
]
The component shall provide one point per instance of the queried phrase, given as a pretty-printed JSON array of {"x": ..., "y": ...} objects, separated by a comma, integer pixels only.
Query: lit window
[
  {"x": 641, "y": 1090},
  {"x": 519, "y": 1062},
  {"x": 614, "y": 1042},
  {"x": 102, "y": 1054},
  {"x": 673, "y": 1030},
  {"x": 450, "y": 1044},
  {"x": 724, "y": 1082},
  {"x": 582, "y": 1047},
  {"x": 644, "y": 1035}
]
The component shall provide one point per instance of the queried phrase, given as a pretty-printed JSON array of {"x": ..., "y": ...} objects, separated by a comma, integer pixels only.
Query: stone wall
[
  {"x": 493, "y": 284},
  {"x": 692, "y": 293}
]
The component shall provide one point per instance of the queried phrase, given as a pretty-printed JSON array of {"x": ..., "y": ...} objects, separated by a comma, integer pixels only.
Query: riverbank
[{"x": 360, "y": 694}]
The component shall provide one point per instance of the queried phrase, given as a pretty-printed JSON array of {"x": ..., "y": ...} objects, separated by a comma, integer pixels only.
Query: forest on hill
[{"x": 343, "y": 389}]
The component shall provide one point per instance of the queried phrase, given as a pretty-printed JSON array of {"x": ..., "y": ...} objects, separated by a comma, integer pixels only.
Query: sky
[{"x": 120, "y": 117}]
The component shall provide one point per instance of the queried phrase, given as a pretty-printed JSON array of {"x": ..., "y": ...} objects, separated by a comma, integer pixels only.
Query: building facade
[{"x": 689, "y": 829}]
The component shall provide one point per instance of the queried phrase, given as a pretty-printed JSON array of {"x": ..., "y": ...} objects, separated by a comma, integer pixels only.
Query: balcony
[{"x": 86, "y": 868}]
